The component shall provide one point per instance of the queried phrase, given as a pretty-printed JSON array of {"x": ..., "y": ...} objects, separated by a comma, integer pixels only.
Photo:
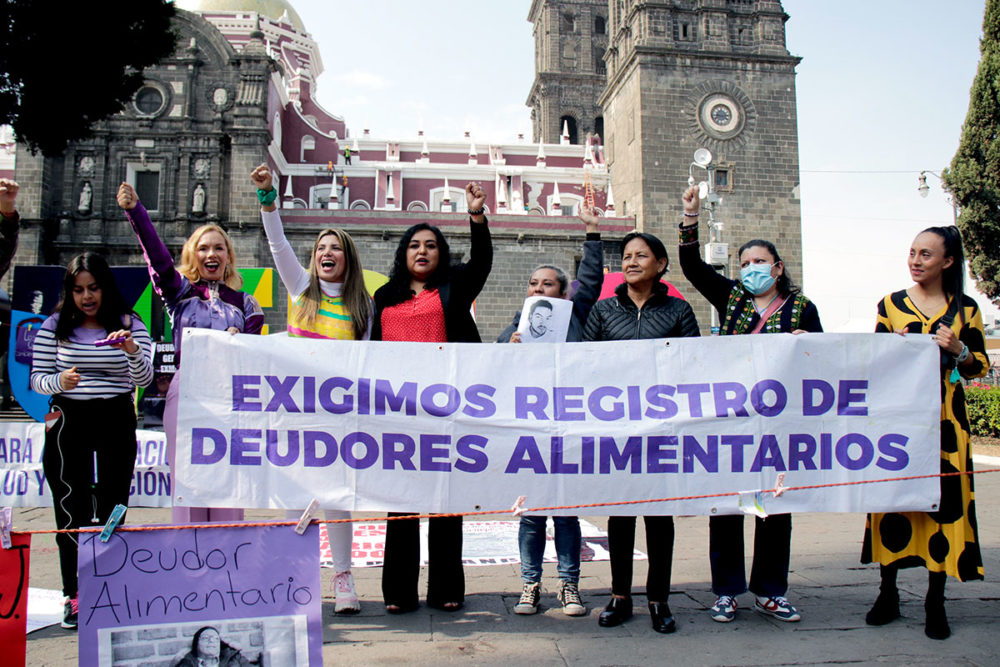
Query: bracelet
[
  {"x": 477, "y": 211},
  {"x": 267, "y": 197},
  {"x": 691, "y": 215},
  {"x": 963, "y": 355}
]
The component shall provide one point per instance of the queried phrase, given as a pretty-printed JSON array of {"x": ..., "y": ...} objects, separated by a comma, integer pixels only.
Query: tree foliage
[
  {"x": 65, "y": 64},
  {"x": 974, "y": 176}
]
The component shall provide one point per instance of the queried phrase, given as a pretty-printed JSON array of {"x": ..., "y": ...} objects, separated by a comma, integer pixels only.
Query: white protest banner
[
  {"x": 374, "y": 426},
  {"x": 22, "y": 479}
]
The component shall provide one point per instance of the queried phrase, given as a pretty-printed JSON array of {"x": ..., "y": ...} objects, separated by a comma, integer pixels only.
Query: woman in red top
[{"x": 428, "y": 300}]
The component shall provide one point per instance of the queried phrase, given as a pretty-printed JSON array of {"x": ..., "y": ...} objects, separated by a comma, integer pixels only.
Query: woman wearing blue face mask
[{"x": 763, "y": 300}]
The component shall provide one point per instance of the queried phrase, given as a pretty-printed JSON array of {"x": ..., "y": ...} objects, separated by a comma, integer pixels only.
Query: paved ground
[{"x": 828, "y": 585}]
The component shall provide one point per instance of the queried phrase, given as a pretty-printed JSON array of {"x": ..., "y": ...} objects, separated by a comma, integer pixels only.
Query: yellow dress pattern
[{"x": 946, "y": 540}]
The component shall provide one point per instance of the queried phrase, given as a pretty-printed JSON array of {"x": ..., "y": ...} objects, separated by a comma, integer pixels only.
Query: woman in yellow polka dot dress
[{"x": 946, "y": 541}]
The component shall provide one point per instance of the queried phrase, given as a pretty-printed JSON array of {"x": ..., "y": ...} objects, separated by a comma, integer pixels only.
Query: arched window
[
  {"x": 308, "y": 144},
  {"x": 599, "y": 128},
  {"x": 416, "y": 206},
  {"x": 570, "y": 122},
  {"x": 456, "y": 198},
  {"x": 276, "y": 129},
  {"x": 599, "y": 25},
  {"x": 319, "y": 196}
]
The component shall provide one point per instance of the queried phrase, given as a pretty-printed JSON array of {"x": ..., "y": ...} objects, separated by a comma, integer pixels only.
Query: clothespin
[
  {"x": 6, "y": 520},
  {"x": 518, "y": 507},
  {"x": 779, "y": 485},
  {"x": 752, "y": 502},
  {"x": 307, "y": 516},
  {"x": 116, "y": 517}
]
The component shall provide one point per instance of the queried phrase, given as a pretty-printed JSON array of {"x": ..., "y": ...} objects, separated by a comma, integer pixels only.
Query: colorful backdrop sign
[
  {"x": 375, "y": 426},
  {"x": 252, "y": 590}
]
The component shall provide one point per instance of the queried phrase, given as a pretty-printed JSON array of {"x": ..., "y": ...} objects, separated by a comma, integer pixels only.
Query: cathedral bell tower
[
  {"x": 714, "y": 74},
  {"x": 571, "y": 37}
]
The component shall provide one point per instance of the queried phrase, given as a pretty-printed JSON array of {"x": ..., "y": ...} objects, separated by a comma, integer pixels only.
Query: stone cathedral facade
[
  {"x": 624, "y": 92},
  {"x": 680, "y": 75}
]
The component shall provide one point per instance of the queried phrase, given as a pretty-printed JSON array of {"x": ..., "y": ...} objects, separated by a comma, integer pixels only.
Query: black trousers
[
  {"x": 100, "y": 431},
  {"x": 401, "y": 563},
  {"x": 659, "y": 547},
  {"x": 772, "y": 542}
]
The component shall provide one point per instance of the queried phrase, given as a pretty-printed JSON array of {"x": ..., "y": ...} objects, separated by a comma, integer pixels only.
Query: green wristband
[{"x": 267, "y": 197}]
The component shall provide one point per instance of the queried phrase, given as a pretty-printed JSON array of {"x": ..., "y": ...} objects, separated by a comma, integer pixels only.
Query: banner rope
[{"x": 529, "y": 510}]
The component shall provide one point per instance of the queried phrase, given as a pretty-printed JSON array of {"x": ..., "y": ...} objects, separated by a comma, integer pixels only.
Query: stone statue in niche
[
  {"x": 202, "y": 167},
  {"x": 86, "y": 198},
  {"x": 86, "y": 166},
  {"x": 198, "y": 203}
]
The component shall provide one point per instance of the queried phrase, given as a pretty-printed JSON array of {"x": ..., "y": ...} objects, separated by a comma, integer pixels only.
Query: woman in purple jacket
[{"x": 203, "y": 292}]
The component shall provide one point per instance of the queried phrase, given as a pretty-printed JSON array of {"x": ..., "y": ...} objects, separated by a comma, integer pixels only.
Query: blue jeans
[{"x": 531, "y": 539}]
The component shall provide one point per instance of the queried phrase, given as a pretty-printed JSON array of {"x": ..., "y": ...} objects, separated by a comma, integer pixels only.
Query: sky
[{"x": 882, "y": 91}]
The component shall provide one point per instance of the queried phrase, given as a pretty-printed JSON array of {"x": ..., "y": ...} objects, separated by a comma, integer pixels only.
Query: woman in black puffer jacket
[{"x": 641, "y": 309}]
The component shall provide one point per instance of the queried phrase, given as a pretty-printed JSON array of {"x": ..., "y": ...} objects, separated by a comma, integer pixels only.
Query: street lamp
[
  {"x": 716, "y": 251},
  {"x": 923, "y": 189}
]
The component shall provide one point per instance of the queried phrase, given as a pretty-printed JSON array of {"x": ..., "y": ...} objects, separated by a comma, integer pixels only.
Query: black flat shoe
[
  {"x": 617, "y": 612},
  {"x": 663, "y": 620}
]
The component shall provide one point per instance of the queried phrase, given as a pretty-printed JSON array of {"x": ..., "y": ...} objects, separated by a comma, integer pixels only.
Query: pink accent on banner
[{"x": 325, "y": 554}]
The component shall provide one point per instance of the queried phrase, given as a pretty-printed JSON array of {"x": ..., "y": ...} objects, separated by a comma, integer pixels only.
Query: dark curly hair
[{"x": 398, "y": 287}]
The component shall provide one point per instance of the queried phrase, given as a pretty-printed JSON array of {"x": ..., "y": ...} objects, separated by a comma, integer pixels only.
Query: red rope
[{"x": 531, "y": 510}]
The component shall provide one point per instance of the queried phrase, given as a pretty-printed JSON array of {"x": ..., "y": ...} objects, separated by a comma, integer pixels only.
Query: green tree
[
  {"x": 974, "y": 176},
  {"x": 66, "y": 64}
]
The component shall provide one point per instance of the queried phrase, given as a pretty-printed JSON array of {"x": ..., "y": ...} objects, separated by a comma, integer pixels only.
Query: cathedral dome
[{"x": 272, "y": 9}]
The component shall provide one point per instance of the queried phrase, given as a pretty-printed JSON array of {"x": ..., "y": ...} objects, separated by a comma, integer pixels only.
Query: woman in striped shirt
[
  {"x": 329, "y": 300},
  {"x": 90, "y": 354}
]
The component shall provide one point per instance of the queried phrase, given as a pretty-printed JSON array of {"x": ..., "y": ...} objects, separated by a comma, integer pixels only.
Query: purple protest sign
[{"x": 174, "y": 596}]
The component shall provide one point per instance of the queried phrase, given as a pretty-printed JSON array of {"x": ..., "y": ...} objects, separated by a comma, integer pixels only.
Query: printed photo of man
[{"x": 539, "y": 317}]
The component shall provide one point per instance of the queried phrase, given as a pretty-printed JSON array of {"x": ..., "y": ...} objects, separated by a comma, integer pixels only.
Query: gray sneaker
[
  {"x": 569, "y": 595},
  {"x": 528, "y": 604}
]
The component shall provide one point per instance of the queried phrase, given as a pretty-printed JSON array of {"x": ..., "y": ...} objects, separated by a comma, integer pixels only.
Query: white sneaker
[
  {"x": 347, "y": 596},
  {"x": 778, "y": 607},
  {"x": 724, "y": 609}
]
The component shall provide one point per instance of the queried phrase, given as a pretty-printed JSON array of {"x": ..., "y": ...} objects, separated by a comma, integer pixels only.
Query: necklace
[{"x": 766, "y": 306}]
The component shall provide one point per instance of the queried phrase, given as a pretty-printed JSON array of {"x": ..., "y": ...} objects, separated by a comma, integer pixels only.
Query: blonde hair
[
  {"x": 354, "y": 294},
  {"x": 189, "y": 257}
]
